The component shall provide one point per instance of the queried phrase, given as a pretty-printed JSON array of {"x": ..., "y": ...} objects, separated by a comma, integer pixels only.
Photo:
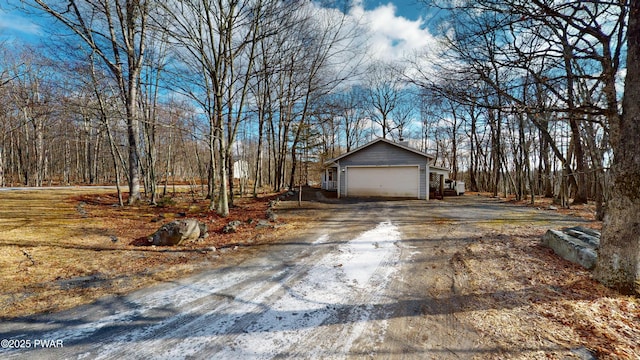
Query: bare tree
[
  {"x": 4, "y": 80},
  {"x": 569, "y": 50},
  {"x": 102, "y": 91},
  {"x": 326, "y": 41},
  {"x": 383, "y": 87},
  {"x": 219, "y": 40},
  {"x": 116, "y": 31},
  {"x": 346, "y": 116},
  {"x": 33, "y": 93}
]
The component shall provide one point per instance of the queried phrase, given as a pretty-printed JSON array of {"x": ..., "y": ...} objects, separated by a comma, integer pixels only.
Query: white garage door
[{"x": 395, "y": 181}]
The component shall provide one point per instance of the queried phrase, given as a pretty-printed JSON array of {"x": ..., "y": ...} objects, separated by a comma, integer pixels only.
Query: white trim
[
  {"x": 418, "y": 182},
  {"x": 428, "y": 176},
  {"x": 338, "y": 176}
]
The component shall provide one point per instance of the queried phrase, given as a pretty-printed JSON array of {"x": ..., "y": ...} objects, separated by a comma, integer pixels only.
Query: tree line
[
  {"x": 517, "y": 97},
  {"x": 148, "y": 92},
  {"x": 541, "y": 77}
]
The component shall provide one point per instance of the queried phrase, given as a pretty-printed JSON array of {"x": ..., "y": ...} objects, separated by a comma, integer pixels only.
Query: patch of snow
[
  {"x": 322, "y": 239},
  {"x": 336, "y": 283},
  {"x": 363, "y": 255}
]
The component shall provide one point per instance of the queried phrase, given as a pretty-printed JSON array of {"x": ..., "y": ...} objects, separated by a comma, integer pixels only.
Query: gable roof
[{"x": 404, "y": 147}]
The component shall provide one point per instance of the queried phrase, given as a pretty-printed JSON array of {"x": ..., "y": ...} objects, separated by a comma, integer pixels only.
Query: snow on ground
[
  {"x": 337, "y": 281},
  {"x": 363, "y": 256},
  {"x": 254, "y": 312}
]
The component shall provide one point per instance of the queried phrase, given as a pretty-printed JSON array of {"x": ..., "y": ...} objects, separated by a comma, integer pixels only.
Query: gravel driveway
[{"x": 364, "y": 279}]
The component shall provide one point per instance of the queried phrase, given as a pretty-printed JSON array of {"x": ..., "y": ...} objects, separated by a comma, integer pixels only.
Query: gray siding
[{"x": 383, "y": 154}]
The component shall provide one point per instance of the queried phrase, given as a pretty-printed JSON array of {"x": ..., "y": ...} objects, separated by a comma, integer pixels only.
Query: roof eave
[{"x": 334, "y": 160}]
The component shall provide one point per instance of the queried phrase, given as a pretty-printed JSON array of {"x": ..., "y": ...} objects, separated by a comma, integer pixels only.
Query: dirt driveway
[{"x": 364, "y": 279}]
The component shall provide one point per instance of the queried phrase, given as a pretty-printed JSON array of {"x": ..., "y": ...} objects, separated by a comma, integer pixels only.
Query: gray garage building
[{"x": 383, "y": 168}]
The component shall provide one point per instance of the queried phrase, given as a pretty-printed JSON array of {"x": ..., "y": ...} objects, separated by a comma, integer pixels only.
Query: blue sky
[
  {"x": 13, "y": 24},
  {"x": 409, "y": 9},
  {"x": 395, "y": 29},
  {"x": 17, "y": 23}
]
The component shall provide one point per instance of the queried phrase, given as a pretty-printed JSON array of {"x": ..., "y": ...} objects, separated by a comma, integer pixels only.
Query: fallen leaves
[
  {"x": 71, "y": 236},
  {"x": 525, "y": 297}
]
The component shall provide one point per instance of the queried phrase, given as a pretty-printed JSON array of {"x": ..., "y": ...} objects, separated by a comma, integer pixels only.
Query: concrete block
[
  {"x": 571, "y": 248},
  {"x": 589, "y": 236}
]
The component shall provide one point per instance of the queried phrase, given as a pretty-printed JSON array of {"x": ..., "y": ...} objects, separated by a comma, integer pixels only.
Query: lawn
[{"x": 63, "y": 248}]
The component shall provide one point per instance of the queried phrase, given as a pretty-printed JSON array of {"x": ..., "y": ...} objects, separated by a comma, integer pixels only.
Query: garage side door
[{"x": 396, "y": 181}]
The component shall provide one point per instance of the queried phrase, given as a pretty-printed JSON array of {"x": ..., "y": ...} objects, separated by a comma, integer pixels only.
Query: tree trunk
[
  {"x": 546, "y": 181},
  {"x": 473, "y": 167},
  {"x": 496, "y": 151},
  {"x": 223, "y": 195},
  {"x": 579, "y": 174},
  {"x": 26, "y": 167},
  {"x": 1, "y": 165},
  {"x": 114, "y": 158},
  {"x": 133, "y": 134},
  {"x": 211, "y": 175},
  {"x": 257, "y": 181},
  {"x": 619, "y": 255},
  {"x": 66, "y": 178},
  {"x": 167, "y": 168},
  {"x": 597, "y": 159},
  {"x": 230, "y": 160},
  {"x": 38, "y": 129}
]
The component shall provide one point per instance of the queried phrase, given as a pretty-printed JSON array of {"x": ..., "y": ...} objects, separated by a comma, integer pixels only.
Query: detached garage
[{"x": 381, "y": 168}]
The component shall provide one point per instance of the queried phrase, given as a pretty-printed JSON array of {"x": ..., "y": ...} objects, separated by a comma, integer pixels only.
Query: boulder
[
  {"x": 589, "y": 236},
  {"x": 178, "y": 231}
]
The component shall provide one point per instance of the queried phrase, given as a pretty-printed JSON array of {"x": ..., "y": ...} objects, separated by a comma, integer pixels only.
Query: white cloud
[
  {"x": 392, "y": 37},
  {"x": 12, "y": 23}
]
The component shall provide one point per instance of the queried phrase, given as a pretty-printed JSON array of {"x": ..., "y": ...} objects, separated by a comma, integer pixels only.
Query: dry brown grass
[
  {"x": 530, "y": 303},
  {"x": 520, "y": 295},
  {"x": 585, "y": 211},
  {"x": 64, "y": 248}
]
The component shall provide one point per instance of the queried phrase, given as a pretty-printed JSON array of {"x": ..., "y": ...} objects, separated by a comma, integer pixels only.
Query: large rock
[
  {"x": 578, "y": 245},
  {"x": 178, "y": 231}
]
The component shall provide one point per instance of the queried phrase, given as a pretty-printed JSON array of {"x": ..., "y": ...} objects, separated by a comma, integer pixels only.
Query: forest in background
[{"x": 516, "y": 97}]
